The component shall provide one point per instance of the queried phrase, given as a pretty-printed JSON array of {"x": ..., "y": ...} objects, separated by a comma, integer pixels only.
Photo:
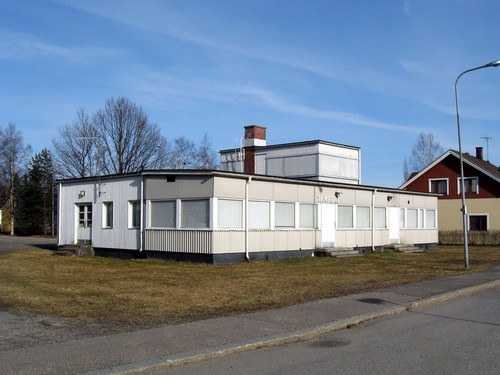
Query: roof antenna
[{"x": 487, "y": 138}]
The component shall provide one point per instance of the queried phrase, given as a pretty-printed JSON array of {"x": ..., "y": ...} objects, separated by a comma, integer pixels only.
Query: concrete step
[
  {"x": 338, "y": 252},
  {"x": 78, "y": 250},
  {"x": 403, "y": 248}
]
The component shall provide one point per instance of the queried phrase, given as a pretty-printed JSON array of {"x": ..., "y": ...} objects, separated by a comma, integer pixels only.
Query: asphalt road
[
  {"x": 461, "y": 336},
  {"x": 14, "y": 243}
]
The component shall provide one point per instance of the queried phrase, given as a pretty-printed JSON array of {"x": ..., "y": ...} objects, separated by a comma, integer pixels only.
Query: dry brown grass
[{"x": 148, "y": 293}]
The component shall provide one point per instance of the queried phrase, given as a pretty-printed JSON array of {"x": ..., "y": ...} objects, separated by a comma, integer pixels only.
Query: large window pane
[
  {"x": 284, "y": 215},
  {"x": 195, "y": 213},
  {"x": 134, "y": 214},
  {"x": 362, "y": 217},
  {"x": 307, "y": 213},
  {"x": 230, "y": 213},
  {"x": 430, "y": 219},
  {"x": 412, "y": 218},
  {"x": 258, "y": 215},
  {"x": 478, "y": 222},
  {"x": 379, "y": 217},
  {"x": 108, "y": 214},
  {"x": 345, "y": 219},
  {"x": 163, "y": 214}
]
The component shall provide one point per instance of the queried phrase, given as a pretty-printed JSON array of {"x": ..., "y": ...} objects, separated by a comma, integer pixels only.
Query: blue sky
[{"x": 370, "y": 73}]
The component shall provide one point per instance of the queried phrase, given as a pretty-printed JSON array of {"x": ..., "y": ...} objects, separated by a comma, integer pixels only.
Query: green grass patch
[{"x": 148, "y": 293}]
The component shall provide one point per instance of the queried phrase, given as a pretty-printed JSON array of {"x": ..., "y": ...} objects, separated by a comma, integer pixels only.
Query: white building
[
  {"x": 311, "y": 160},
  {"x": 223, "y": 217}
]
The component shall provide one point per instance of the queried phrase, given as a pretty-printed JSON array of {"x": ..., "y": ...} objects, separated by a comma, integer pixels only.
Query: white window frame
[
  {"x": 357, "y": 217},
  {"x": 266, "y": 222},
  {"x": 339, "y": 226},
  {"x": 427, "y": 212},
  {"x": 107, "y": 215},
  {"x": 375, "y": 222},
  {"x": 459, "y": 184},
  {"x": 224, "y": 224},
  {"x": 440, "y": 179},
  {"x": 287, "y": 223},
  {"x": 132, "y": 214},
  {"x": 303, "y": 219},
  {"x": 150, "y": 216},
  {"x": 183, "y": 225},
  {"x": 408, "y": 210},
  {"x": 479, "y": 214}
]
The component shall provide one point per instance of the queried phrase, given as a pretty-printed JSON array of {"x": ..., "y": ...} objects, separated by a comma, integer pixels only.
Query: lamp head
[{"x": 494, "y": 63}]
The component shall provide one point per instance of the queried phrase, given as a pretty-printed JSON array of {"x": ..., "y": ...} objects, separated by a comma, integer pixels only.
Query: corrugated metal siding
[
  {"x": 120, "y": 192},
  {"x": 181, "y": 241},
  {"x": 228, "y": 241}
]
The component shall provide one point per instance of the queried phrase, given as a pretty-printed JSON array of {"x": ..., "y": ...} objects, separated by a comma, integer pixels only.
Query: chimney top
[
  {"x": 255, "y": 135},
  {"x": 479, "y": 153}
]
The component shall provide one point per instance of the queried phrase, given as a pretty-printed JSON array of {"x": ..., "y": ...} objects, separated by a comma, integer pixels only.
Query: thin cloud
[
  {"x": 277, "y": 103},
  {"x": 19, "y": 46}
]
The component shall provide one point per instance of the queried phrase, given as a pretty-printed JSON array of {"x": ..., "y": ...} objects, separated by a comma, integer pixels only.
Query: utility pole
[
  {"x": 12, "y": 205},
  {"x": 487, "y": 138}
]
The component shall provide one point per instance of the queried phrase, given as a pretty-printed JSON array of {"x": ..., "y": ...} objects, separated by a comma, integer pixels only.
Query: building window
[
  {"x": 230, "y": 213},
  {"x": 362, "y": 217},
  {"x": 162, "y": 214},
  {"x": 345, "y": 217},
  {"x": 421, "y": 218},
  {"x": 411, "y": 218},
  {"x": 438, "y": 186},
  {"x": 478, "y": 222},
  {"x": 85, "y": 216},
  {"x": 379, "y": 218},
  {"x": 284, "y": 215},
  {"x": 470, "y": 185},
  {"x": 134, "y": 209},
  {"x": 107, "y": 214},
  {"x": 195, "y": 213},
  {"x": 258, "y": 215},
  {"x": 430, "y": 219},
  {"x": 308, "y": 216}
]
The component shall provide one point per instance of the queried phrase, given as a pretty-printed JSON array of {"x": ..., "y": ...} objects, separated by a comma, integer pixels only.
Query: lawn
[{"x": 148, "y": 293}]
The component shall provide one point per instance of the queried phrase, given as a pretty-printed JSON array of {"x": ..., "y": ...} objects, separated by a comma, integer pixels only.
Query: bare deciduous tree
[
  {"x": 183, "y": 154},
  {"x": 129, "y": 142},
  {"x": 206, "y": 157},
  {"x": 13, "y": 156},
  {"x": 75, "y": 152},
  {"x": 424, "y": 152},
  {"x": 119, "y": 139}
]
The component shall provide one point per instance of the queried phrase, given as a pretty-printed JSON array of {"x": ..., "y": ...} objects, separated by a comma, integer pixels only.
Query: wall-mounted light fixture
[
  {"x": 81, "y": 194},
  {"x": 338, "y": 194},
  {"x": 390, "y": 198}
]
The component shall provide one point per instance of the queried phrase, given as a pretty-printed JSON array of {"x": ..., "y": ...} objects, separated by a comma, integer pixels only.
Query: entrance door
[
  {"x": 328, "y": 225},
  {"x": 394, "y": 225},
  {"x": 84, "y": 230}
]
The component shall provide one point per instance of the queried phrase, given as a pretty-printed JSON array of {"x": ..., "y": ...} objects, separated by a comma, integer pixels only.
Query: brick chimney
[
  {"x": 479, "y": 153},
  {"x": 255, "y": 136}
]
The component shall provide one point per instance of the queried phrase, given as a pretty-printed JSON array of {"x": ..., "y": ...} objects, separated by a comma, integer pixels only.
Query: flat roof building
[{"x": 227, "y": 216}]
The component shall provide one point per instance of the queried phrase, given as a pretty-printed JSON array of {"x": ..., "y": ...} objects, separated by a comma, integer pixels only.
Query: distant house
[
  {"x": 482, "y": 190},
  {"x": 288, "y": 201}
]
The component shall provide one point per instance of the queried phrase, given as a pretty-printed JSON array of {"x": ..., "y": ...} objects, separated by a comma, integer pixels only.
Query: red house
[{"x": 482, "y": 190}]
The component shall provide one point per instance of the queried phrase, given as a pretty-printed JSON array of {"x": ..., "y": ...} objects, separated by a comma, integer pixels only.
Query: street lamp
[{"x": 462, "y": 182}]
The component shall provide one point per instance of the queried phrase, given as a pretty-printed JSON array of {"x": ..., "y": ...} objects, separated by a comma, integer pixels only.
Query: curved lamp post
[{"x": 464, "y": 207}]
